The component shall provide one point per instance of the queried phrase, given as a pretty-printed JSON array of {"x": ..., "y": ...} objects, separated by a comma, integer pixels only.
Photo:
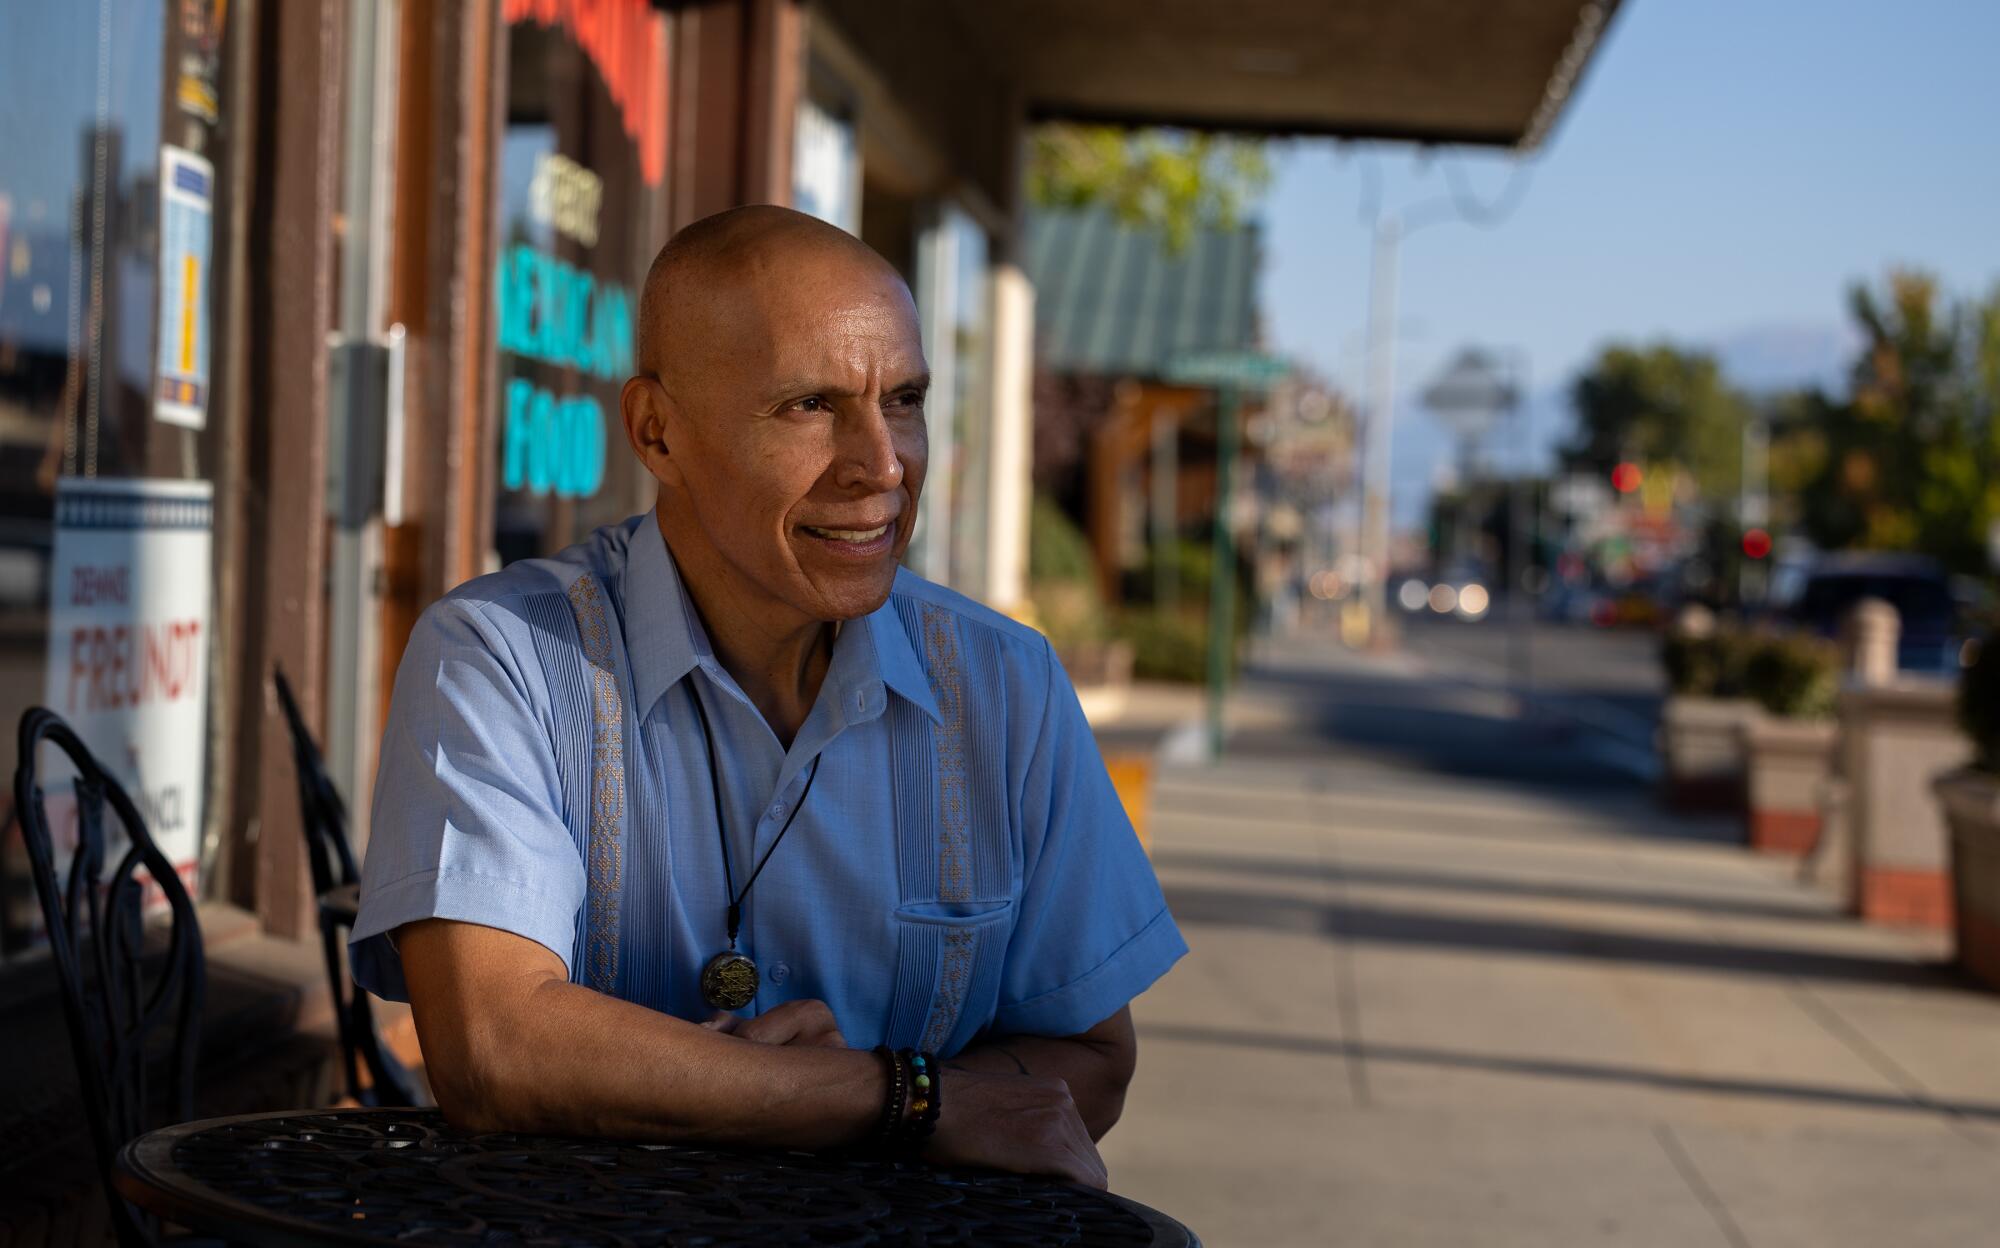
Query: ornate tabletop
[{"x": 359, "y": 1176}]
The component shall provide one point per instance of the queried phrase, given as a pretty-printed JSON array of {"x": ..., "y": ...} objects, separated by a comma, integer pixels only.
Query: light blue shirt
[{"x": 962, "y": 864}]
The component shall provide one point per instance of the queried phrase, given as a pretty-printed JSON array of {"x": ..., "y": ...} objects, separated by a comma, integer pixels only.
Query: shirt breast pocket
[{"x": 949, "y": 956}]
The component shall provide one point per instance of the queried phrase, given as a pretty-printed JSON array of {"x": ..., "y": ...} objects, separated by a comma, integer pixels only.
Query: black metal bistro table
[{"x": 363, "y": 1176}]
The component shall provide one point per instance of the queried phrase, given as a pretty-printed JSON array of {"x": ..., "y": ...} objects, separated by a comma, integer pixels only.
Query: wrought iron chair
[
  {"x": 336, "y": 882},
  {"x": 95, "y": 929}
]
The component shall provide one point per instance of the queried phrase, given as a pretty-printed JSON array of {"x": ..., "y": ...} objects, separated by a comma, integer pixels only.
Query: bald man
[{"x": 721, "y": 826}]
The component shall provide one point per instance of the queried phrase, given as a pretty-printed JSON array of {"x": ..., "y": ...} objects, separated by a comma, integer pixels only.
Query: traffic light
[
  {"x": 1756, "y": 544},
  {"x": 1627, "y": 477}
]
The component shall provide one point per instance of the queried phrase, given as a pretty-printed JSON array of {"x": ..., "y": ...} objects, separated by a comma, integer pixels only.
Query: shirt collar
[
  {"x": 664, "y": 639},
  {"x": 897, "y": 663}
]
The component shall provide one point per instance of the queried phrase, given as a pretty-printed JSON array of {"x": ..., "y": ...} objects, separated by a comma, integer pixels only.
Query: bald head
[
  {"x": 705, "y": 271},
  {"x": 780, "y": 405}
]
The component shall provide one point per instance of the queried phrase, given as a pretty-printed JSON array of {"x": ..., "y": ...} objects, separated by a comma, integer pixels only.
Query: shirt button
[
  {"x": 780, "y": 972},
  {"x": 777, "y": 808}
]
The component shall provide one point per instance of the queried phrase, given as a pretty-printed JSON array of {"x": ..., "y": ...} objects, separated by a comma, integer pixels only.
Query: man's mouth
[{"x": 856, "y": 537}]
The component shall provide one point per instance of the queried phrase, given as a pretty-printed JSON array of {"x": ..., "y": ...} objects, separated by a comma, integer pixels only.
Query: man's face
[{"x": 796, "y": 438}]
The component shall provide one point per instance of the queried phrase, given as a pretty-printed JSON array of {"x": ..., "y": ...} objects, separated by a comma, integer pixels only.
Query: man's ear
[{"x": 646, "y": 406}]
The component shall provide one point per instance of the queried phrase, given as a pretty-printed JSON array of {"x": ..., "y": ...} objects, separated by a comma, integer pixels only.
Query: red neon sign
[{"x": 626, "y": 40}]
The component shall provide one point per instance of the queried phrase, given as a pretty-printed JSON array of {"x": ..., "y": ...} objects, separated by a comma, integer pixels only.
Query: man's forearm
[
  {"x": 531, "y": 1051},
  {"x": 1097, "y": 1065},
  {"x": 591, "y": 1063}
]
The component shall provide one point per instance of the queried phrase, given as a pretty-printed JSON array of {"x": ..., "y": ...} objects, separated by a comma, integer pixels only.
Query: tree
[
  {"x": 1171, "y": 180},
  {"x": 1659, "y": 405},
  {"x": 1910, "y": 460}
]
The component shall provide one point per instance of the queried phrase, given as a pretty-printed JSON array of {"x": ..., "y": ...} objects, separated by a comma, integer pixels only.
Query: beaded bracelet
[
  {"x": 926, "y": 1095},
  {"x": 890, "y": 1127}
]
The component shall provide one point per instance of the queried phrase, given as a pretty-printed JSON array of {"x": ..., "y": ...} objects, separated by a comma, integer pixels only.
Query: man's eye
[
  {"x": 909, "y": 398},
  {"x": 812, "y": 403}
]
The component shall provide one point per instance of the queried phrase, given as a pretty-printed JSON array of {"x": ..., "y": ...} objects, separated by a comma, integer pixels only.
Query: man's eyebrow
[{"x": 802, "y": 385}]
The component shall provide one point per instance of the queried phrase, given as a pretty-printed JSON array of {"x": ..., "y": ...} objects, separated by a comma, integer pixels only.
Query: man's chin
[{"x": 854, "y": 595}]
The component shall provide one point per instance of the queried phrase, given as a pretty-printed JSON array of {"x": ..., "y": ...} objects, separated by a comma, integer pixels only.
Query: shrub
[
  {"x": 1167, "y": 644},
  {"x": 1057, "y": 548},
  {"x": 1071, "y": 613},
  {"x": 1792, "y": 676},
  {"x": 1707, "y": 665},
  {"x": 1979, "y": 703},
  {"x": 1063, "y": 579}
]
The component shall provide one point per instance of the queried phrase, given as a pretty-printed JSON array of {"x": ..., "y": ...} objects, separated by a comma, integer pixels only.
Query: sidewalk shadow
[
  {"x": 1271, "y": 912},
  {"x": 1549, "y": 1068},
  {"x": 1810, "y": 907}
]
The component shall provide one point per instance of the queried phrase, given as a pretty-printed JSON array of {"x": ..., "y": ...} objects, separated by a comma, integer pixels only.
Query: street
[{"x": 1455, "y": 979}]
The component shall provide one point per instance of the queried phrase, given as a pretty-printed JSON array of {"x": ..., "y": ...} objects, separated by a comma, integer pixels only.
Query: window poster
[
  {"x": 128, "y": 650},
  {"x": 187, "y": 196}
]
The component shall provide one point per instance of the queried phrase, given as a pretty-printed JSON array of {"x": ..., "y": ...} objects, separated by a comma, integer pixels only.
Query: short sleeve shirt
[{"x": 961, "y": 864}]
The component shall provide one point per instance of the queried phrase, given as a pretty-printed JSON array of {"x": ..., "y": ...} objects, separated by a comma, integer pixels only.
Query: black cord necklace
[{"x": 729, "y": 981}]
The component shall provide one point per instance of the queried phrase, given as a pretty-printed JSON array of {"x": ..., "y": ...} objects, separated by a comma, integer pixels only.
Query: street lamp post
[
  {"x": 1380, "y": 427},
  {"x": 1222, "y": 577},
  {"x": 1374, "y": 566}
]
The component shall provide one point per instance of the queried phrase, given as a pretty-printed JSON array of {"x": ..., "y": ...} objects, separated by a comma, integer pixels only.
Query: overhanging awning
[{"x": 1489, "y": 72}]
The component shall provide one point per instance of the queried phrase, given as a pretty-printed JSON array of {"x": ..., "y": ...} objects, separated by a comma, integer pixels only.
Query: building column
[
  {"x": 291, "y": 258},
  {"x": 1010, "y": 491},
  {"x": 735, "y": 86}
]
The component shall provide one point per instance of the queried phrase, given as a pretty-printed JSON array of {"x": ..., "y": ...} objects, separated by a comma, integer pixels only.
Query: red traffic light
[
  {"x": 1756, "y": 544},
  {"x": 1626, "y": 477}
]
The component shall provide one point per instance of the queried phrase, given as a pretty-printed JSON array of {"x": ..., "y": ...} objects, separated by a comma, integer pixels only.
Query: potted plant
[
  {"x": 1971, "y": 800},
  {"x": 1700, "y": 750},
  {"x": 1788, "y": 749}
]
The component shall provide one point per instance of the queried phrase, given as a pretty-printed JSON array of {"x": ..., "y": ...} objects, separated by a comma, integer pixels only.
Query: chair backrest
[
  {"x": 332, "y": 860},
  {"x": 95, "y": 930},
  {"x": 325, "y": 815}
]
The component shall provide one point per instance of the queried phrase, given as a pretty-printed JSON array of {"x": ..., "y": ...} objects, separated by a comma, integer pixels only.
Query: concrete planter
[
  {"x": 1895, "y": 740},
  {"x": 1787, "y": 765},
  {"x": 1971, "y": 802},
  {"x": 1701, "y": 747}
]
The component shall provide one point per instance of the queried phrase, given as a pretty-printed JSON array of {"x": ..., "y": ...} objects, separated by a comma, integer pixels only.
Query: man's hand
[
  {"x": 1096, "y": 1065},
  {"x": 808, "y": 1023},
  {"x": 1013, "y": 1122}
]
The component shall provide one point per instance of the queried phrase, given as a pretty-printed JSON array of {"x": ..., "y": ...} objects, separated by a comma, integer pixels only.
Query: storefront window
[
  {"x": 107, "y": 191},
  {"x": 954, "y": 300},
  {"x": 826, "y": 163},
  {"x": 583, "y": 161}
]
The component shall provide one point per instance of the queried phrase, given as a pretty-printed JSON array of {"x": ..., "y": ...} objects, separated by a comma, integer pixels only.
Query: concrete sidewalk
[{"x": 1486, "y": 1005}]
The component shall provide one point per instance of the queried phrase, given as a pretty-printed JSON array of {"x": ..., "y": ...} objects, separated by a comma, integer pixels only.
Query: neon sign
[{"x": 622, "y": 38}]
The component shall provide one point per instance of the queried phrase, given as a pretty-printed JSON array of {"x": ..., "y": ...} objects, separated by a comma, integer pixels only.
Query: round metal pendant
[{"x": 729, "y": 981}]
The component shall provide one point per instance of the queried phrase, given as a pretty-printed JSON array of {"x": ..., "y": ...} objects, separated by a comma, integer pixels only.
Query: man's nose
[{"x": 866, "y": 454}]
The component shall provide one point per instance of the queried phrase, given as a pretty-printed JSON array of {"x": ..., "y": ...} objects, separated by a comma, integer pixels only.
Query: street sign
[
  {"x": 1474, "y": 384},
  {"x": 1243, "y": 370},
  {"x": 1471, "y": 394}
]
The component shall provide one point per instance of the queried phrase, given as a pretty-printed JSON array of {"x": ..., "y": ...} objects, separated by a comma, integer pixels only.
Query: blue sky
[{"x": 1726, "y": 172}]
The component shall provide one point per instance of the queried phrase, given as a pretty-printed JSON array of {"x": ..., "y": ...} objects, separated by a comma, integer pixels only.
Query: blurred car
[
  {"x": 1571, "y": 602},
  {"x": 1933, "y": 636},
  {"x": 1631, "y": 607}
]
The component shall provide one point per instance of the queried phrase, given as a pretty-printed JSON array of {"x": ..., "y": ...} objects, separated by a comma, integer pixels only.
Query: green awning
[{"x": 1113, "y": 300}]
